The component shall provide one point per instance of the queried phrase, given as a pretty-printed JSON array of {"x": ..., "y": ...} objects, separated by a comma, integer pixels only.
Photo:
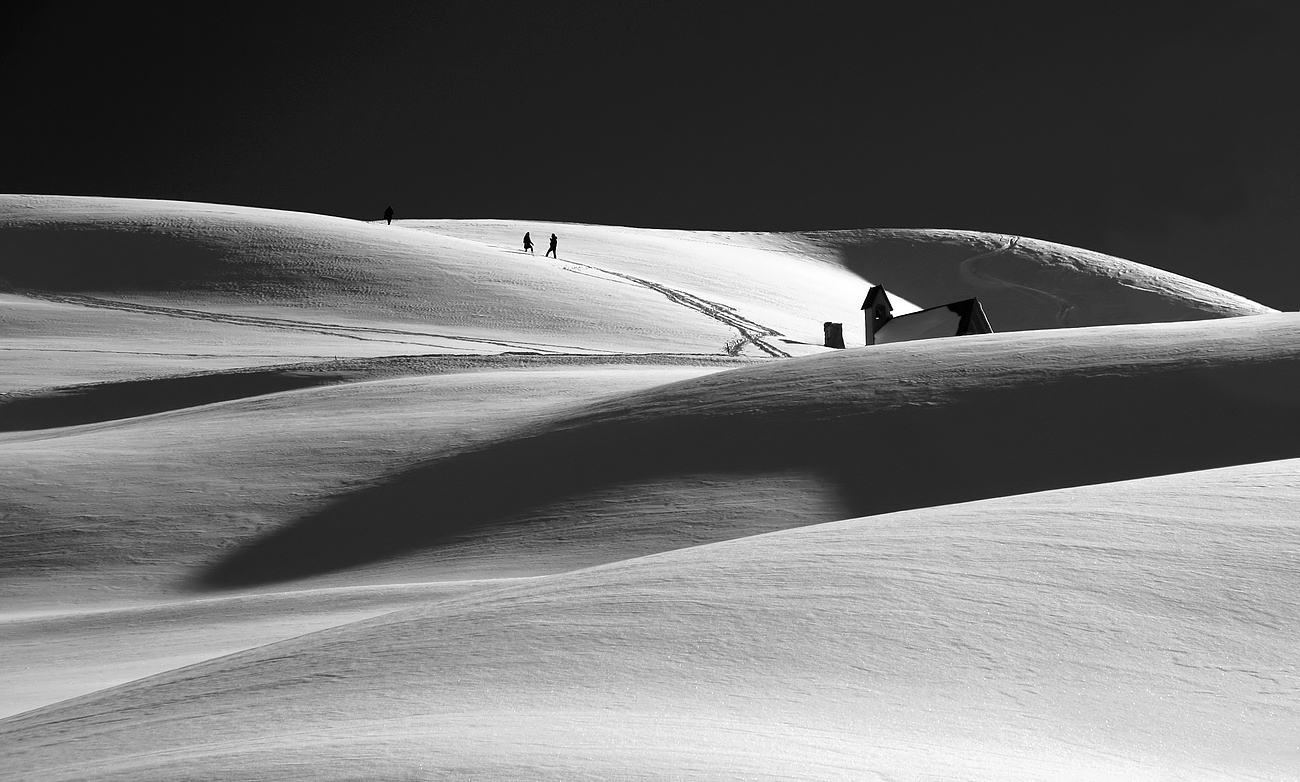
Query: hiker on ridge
[
  {"x": 551, "y": 250},
  {"x": 528, "y": 243},
  {"x": 388, "y": 215}
]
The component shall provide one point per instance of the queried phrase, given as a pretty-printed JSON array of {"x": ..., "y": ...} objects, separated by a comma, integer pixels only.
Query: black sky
[{"x": 1161, "y": 132}]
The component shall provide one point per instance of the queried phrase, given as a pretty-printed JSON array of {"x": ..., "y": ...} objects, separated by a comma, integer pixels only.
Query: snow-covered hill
[
  {"x": 153, "y": 287},
  {"x": 620, "y": 515},
  {"x": 1023, "y": 283},
  {"x": 1136, "y": 630}
]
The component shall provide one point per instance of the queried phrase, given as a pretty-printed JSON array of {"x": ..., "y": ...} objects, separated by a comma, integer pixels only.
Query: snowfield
[{"x": 287, "y": 496}]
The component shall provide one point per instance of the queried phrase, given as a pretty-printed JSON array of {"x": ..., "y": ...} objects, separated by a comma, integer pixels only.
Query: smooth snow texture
[
  {"x": 240, "y": 286},
  {"x": 619, "y": 515},
  {"x": 863, "y": 431},
  {"x": 1138, "y": 630}
]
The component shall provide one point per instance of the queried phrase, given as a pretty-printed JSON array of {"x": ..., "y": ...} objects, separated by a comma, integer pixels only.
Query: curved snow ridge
[
  {"x": 117, "y": 400},
  {"x": 229, "y": 265},
  {"x": 975, "y": 270},
  {"x": 1122, "y": 631},
  {"x": 1024, "y": 283},
  {"x": 851, "y": 433},
  {"x": 1175, "y": 288},
  {"x": 91, "y": 243},
  {"x": 1047, "y": 363}
]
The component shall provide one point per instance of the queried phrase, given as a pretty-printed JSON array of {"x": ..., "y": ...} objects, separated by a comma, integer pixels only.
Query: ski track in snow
[
  {"x": 973, "y": 275},
  {"x": 752, "y": 332},
  {"x": 360, "y": 333}
]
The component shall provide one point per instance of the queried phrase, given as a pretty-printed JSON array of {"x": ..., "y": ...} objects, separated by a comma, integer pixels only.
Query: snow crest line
[
  {"x": 360, "y": 333},
  {"x": 751, "y": 332},
  {"x": 973, "y": 275}
]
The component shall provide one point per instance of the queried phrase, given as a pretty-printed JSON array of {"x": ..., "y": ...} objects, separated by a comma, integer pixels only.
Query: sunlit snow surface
[{"x": 350, "y": 500}]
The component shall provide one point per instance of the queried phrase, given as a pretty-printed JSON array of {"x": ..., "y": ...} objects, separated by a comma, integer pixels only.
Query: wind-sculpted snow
[
  {"x": 142, "y": 504},
  {"x": 241, "y": 268},
  {"x": 882, "y": 429},
  {"x": 1023, "y": 283},
  {"x": 124, "y": 283},
  {"x": 1138, "y": 630},
  {"x": 95, "y": 402},
  {"x": 592, "y": 514},
  {"x": 399, "y": 289}
]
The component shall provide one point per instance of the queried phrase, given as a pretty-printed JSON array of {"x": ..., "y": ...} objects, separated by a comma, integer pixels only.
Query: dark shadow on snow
[
  {"x": 98, "y": 402},
  {"x": 1070, "y": 430},
  {"x": 119, "y": 258},
  {"x": 922, "y": 270},
  {"x": 112, "y": 401}
]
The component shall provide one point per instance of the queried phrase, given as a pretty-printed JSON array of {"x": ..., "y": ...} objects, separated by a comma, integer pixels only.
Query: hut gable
[{"x": 878, "y": 311}]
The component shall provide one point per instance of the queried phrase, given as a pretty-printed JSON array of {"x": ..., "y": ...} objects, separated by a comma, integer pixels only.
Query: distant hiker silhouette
[
  {"x": 551, "y": 250},
  {"x": 388, "y": 215},
  {"x": 528, "y": 243}
]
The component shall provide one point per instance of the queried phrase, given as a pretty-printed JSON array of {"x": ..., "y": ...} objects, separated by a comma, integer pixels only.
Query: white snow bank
[
  {"x": 845, "y": 434},
  {"x": 1136, "y": 630},
  {"x": 316, "y": 276}
]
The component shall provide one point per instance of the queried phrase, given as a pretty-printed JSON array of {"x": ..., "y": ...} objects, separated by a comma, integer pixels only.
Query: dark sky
[{"x": 1162, "y": 132}]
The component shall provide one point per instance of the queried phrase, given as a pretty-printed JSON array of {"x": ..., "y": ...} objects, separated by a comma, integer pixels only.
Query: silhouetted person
[
  {"x": 528, "y": 243},
  {"x": 388, "y": 215},
  {"x": 551, "y": 250}
]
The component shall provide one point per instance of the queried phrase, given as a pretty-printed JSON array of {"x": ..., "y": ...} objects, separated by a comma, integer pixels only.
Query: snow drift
[
  {"x": 620, "y": 515},
  {"x": 1129, "y": 631},
  {"x": 882, "y": 429}
]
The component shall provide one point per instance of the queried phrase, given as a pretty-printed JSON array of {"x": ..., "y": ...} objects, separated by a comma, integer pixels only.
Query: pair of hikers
[
  {"x": 528, "y": 245},
  {"x": 528, "y": 239}
]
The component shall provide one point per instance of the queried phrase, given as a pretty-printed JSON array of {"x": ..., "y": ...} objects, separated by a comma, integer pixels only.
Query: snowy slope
[
  {"x": 131, "y": 507},
  {"x": 1022, "y": 283},
  {"x": 862, "y": 431},
  {"x": 493, "y": 474},
  {"x": 1131, "y": 631},
  {"x": 619, "y": 515},
  {"x": 126, "y": 287},
  {"x": 320, "y": 286}
]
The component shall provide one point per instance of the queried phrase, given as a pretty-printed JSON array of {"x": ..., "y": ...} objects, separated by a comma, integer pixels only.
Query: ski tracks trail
[
  {"x": 422, "y": 339},
  {"x": 972, "y": 273},
  {"x": 751, "y": 332}
]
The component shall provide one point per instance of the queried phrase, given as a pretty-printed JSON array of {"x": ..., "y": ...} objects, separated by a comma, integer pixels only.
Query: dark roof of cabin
[{"x": 876, "y": 293}]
